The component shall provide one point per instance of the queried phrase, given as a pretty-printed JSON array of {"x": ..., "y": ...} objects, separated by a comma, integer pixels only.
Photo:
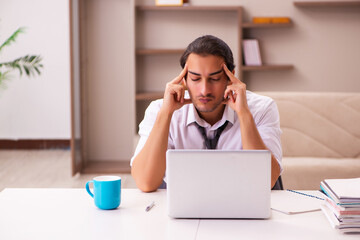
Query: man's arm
[
  {"x": 148, "y": 167},
  {"x": 251, "y": 139},
  {"x": 250, "y": 136}
]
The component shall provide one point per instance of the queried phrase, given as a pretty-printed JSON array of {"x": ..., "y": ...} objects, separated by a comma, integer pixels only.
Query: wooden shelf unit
[
  {"x": 149, "y": 95},
  {"x": 188, "y": 8},
  {"x": 143, "y": 96},
  {"x": 268, "y": 67},
  {"x": 98, "y": 142},
  {"x": 158, "y": 51},
  {"x": 327, "y": 3},
  {"x": 141, "y": 52},
  {"x": 266, "y": 25}
]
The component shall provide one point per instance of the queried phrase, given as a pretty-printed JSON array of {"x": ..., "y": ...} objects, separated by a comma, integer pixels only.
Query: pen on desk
[{"x": 149, "y": 207}]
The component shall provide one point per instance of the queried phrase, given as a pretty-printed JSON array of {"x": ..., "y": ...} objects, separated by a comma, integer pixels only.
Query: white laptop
[{"x": 218, "y": 183}]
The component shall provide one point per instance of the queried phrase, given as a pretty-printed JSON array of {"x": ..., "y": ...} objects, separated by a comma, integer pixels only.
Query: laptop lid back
[{"x": 218, "y": 183}]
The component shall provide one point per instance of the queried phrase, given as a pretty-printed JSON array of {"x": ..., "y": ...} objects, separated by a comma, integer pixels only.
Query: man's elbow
[
  {"x": 275, "y": 171},
  {"x": 147, "y": 188},
  {"x": 144, "y": 184}
]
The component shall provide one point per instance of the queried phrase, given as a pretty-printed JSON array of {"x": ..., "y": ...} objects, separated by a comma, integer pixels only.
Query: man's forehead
[{"x": 204, "y": 65}]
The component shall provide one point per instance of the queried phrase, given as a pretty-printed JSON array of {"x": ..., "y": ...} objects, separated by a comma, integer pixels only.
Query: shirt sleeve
[
  {"x": 146, "y": 126},
  {"x": 270, "y": 132}
]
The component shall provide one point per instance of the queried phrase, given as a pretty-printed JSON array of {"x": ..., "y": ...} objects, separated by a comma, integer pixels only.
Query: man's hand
[
  {"x": 148, "y": 168},
  {"x": 235, "y": 97},
  {"x": 235, "y": 93},
  {"x": 174, "y": 94}
]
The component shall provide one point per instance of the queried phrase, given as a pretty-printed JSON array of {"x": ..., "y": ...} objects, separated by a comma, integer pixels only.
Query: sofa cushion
[
  {"x": 307, "y": 172},
  {"x": 319, "y": 124}
]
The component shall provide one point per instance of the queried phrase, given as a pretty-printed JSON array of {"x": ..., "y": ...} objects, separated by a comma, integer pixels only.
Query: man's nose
[{"x": 205, "y": 87}]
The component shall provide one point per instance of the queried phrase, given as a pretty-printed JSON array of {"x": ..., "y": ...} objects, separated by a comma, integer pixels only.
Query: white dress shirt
[{"x": 184, "y": 134}]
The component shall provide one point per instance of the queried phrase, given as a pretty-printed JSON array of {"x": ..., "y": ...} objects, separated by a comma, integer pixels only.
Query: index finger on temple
[
  {"x": 179, "y": 78},
  {"x": 229, "y": 74}
]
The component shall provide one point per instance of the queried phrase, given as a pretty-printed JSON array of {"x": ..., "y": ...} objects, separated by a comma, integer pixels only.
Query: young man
[{"x": 219, "y": 108}]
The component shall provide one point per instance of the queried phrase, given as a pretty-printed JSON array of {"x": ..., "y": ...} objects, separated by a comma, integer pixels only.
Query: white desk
[{"x": 71, "y": 214}]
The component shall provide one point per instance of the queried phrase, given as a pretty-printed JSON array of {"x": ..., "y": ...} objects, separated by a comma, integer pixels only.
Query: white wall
[{"x": 36, "y": 108}]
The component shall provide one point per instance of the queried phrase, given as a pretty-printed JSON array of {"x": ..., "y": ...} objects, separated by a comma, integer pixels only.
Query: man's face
[{"x": 206, "y": 82}]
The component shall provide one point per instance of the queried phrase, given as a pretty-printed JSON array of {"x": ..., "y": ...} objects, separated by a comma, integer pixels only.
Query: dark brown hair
[{"x": 209, "y": 45}]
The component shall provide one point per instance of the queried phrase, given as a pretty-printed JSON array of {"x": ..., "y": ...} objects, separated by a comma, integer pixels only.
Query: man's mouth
[{"x": 205, "y": 100}]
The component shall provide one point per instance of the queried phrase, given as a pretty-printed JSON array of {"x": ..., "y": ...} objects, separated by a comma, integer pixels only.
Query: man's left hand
[{"x": 235, "y": 93}]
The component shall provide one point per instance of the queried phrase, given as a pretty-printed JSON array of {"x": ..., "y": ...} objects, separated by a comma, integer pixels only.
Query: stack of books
[{"x": 342, "y": 204}]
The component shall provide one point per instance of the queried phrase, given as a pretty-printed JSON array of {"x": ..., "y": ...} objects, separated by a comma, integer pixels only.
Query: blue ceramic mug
[{"x": 107, "y": 191}]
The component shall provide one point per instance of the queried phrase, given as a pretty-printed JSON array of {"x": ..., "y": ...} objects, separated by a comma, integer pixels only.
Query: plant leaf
[
  {"x": 12, "y": 38},
  {"x": 19, "y": 68},
  {"x": 4, "y": 77},
  {"x": 26, "y": 70},
  {"x": 31, "y": 58},
  {"x": 37, "y": 70},
  {"x": 30, "y": 64}
]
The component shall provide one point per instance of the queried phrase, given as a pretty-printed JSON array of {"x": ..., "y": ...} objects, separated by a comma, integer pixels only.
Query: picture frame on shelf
[{"x": 169, "y": 2}]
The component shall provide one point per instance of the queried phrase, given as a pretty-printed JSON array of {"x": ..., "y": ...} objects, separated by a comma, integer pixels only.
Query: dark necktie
[{"x": 211, "y": 143}]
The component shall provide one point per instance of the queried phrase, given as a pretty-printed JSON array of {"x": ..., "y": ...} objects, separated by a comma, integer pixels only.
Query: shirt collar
[{"x": 193, "y": 116}]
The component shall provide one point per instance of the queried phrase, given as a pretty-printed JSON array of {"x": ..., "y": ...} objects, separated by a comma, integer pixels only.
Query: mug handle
[{"x": 88, "y": 188}]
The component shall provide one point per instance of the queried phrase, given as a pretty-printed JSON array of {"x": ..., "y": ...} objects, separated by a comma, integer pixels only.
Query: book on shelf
[
  {"x": 251, "y": 50},
  {"x": 268, "y": 20},
  {"x": 261, "y": 20},
  {"x": 168, "y": 3},
  {"x": 342, "y": 203},
  {"x": 280, "y": 20}
]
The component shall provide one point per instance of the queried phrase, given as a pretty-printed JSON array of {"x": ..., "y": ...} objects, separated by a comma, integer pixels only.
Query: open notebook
[{"x": 298, "y": 201}]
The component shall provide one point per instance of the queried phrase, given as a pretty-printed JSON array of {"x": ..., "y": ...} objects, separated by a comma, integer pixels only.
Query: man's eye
[
  {"x": 214, "y": 79},
  {"x": 195, "y": 79}
]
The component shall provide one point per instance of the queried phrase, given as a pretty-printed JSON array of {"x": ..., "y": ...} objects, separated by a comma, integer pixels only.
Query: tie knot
[{"x": 211, "y": 143}]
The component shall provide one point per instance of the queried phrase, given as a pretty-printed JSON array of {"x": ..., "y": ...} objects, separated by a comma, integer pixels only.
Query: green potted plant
[{"x": 28, "y": 64}]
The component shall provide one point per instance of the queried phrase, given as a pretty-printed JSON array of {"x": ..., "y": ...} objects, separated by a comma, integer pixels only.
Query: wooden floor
[{"x": 44, "y": 169}]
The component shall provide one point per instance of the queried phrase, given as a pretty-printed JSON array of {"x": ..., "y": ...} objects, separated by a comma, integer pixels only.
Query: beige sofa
[{"x": 321, "y": 136}]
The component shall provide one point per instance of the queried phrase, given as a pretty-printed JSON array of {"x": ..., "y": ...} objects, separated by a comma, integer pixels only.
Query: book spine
[
  {"x": 328, "y": 192},
  {"x": 252, "y": 52},
  {"x": 269, "y": 20},
  {"x": 334, "y": 222}
]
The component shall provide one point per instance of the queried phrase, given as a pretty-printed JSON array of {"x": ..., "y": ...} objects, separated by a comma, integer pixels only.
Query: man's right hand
[
  {"x": 148, "y": 168},
  {"x": 174, "y": 94}
]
